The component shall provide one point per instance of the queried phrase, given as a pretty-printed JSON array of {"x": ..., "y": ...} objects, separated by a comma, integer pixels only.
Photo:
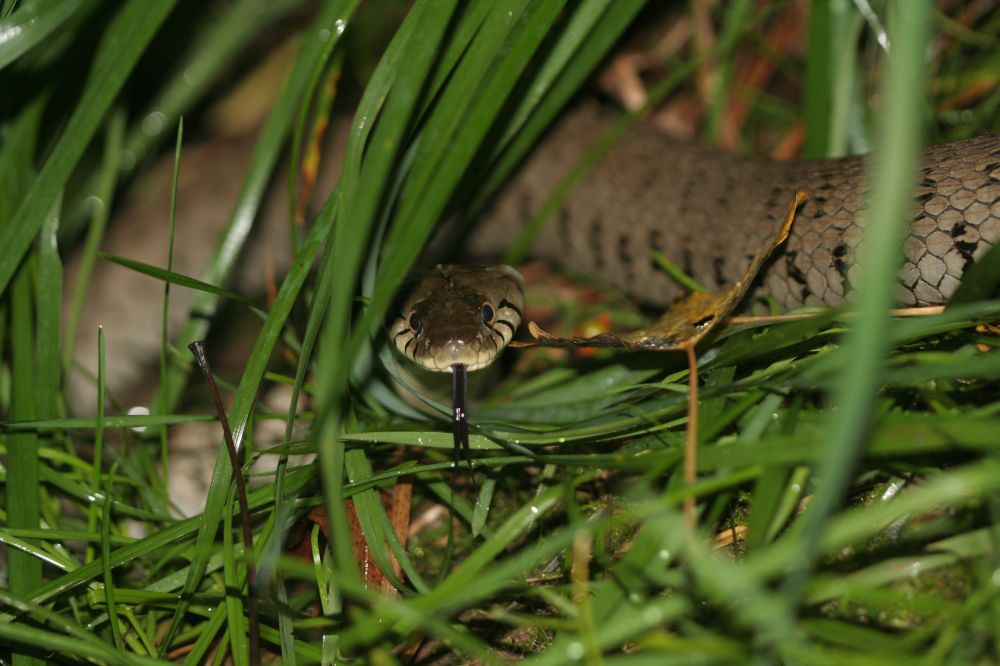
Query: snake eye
[
  {"x": 489, "y": 314},
  {"x": 415, "y": 324}
]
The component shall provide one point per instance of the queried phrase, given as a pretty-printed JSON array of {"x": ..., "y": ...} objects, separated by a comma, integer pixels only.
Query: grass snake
[{"x": 708, "y": 212}]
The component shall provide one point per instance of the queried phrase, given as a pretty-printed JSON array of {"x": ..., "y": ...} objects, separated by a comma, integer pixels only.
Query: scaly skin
[{"x": 708, "y": 212}]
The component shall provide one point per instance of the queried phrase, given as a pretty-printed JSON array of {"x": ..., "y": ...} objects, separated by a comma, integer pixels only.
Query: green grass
[{"x": 571, "y": 545}]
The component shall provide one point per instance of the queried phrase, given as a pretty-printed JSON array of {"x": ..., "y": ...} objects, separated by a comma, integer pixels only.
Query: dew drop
[
  {"x": 652, "y": 614},
  {"x": 126, "y": 160},
  {"x": 139, "y": 410},
  {"x": 94, "y": 204},
  {"x": 153, "y": 123}
]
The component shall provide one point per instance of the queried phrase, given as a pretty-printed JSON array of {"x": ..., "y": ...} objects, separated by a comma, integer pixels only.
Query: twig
[
  {"x": 691, "y": 438},
  {"x": 198, "y": 349}
]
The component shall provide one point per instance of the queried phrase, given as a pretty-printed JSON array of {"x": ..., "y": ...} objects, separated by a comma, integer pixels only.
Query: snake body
[{"x": 709, "y": 213}]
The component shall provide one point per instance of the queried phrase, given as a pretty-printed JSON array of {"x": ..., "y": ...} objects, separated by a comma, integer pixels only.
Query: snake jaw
[{"x": 459, "y": 315}]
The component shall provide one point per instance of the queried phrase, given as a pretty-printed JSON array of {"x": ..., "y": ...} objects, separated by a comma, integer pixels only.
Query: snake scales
[{"x": 710, "y": 213}]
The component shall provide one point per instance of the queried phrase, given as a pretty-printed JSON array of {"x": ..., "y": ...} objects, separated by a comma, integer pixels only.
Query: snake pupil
[
  {"x": 488, "y": 313},
  {"x": 415, "y": 324}
]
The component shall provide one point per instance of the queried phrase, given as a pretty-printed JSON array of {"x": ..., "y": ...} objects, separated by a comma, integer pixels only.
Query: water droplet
[
  {"x": 126, "y": 160},
  {"x": 341, "y": 24},
  {"x": 664, "y": 554},
  {"x": 652, "y": 614},
  {"x": 574, "y": 651},
  {"x": 796, "y": 488},
  {"x": 153, "y": 123},
  {"x": 562, "y": 440},
  {"x": 324, "y": 35},
  {"x": 139, "y": 410},
  {"x": 94, "y": 204},
  {"x": 534, "y": 509}
]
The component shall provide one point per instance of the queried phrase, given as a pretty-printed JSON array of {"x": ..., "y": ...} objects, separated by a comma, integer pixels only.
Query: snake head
[{"x": 459, "y": 315}]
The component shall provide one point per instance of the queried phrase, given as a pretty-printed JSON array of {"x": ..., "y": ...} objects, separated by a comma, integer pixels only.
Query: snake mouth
[
  {"x": 474, "y": 355},
  {"x": 459, "y": 315}
]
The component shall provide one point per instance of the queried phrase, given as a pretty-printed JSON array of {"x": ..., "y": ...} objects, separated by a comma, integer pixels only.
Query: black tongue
[{"x": 459, "y": 424}]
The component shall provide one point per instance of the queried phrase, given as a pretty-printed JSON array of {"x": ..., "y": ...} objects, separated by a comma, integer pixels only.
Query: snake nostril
[
  {"x": 414, "y": 322},
  {"x": 489, "y": 314}
]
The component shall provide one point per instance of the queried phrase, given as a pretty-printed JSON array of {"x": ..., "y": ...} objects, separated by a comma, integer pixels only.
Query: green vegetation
[{"x": 853, "y": 461}]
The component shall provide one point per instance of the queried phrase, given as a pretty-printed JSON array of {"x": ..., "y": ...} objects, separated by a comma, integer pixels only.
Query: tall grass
[{"x": 847, "y": 484}]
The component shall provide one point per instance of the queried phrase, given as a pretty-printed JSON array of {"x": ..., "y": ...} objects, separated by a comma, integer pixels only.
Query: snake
[
  {"x": 708, "y": 213},
  {"x": 459, "y": 315}
]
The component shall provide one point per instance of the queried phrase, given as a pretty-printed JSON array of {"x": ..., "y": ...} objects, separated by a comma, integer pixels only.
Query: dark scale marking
[
  {"x": 655, "y": 239},
  {"x": 959, "y": 229},
  {"x": 505, "y": 323},
  {"x": 625, "y": 259},
  {"x": 966, "y": 248},
  {"x": 596, "y": 231},
  {"x": 793, "y": 271},
  {"x": 718, "y": 268},
  {"x": 839, "y": 251},
  {"x": 927, "y": 196},
  {"x": 403, "y": 332},
  {"x": 687, "y": 261},
  {"x": 623, "y": 255},
  {"x": 562, "y": 222},
  {"x": 504, "y": 303}
]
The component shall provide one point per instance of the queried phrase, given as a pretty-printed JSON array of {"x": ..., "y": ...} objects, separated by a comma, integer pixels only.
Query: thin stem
[{"x": 198, "y": 349}]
